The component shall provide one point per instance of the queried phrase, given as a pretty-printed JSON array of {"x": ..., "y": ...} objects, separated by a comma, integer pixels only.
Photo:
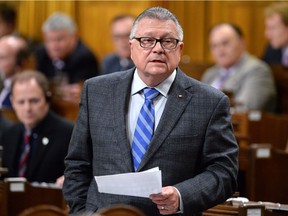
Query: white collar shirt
[{"x": 137, "y": 100}]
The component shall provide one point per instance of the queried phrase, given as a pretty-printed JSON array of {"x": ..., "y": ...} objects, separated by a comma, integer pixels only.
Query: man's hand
[{"x": 167, "y": 201}]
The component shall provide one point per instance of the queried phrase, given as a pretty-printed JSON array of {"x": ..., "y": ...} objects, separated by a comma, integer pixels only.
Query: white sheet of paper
[{"x": 140, "y": 184}]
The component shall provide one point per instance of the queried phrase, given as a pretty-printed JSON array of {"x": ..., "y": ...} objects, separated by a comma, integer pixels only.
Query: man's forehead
[
  {"x": 151, "y": 25},
  {"x": 27, "y": 82},
  {"x": 223, "y": 33}
]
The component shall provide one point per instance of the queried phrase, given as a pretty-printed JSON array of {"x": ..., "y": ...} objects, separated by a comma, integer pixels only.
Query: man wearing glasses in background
[
  {"x": 152, "y": 116},
  {"x": 120, "y": 60}
]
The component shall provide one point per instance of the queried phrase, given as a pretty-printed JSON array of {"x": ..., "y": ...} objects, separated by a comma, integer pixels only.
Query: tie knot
[{"x": 150, "y": 93}]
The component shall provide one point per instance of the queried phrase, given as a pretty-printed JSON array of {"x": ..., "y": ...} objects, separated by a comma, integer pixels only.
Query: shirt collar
[
  {"x": 163, "y": 87},
  {"x": 38, "y": 128},
  {"x": 7, "y": 83},
  {"x": 285, "y": 50},
  {"x": 234, "y": 67}
]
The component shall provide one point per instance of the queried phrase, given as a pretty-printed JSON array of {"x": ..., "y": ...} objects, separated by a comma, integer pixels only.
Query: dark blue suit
[
  {"x": 4, "y": 125},
  {"x": 111, "y": 63},
  {"x": 272, "y": 56},
  {"x": 80, "y": 65},
  {"x": 7, "y": 102}
]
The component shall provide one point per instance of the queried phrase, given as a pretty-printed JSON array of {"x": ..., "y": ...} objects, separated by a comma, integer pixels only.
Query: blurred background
[{"x": 196, "y": 17}]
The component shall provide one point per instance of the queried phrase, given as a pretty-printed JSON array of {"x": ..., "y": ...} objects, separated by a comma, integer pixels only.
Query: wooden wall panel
[
  {"x": 192, "y": 19},
  {"x": 32, "y": 14},
  {"x": 94, "y": 18},
  {"x": 248, "y": 15},
  {"x": 196, "y": 17}
]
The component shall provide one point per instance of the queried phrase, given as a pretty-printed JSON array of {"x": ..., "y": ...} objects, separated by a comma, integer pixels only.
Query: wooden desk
[
  {"x": 259, "y": 127},
  {"x": 66, "y": 109},
  {"x": 9, "y": 114},
  {"x": 240, "y": 122},
  {"x": 280, "y": 75},
  {"x": 271, "y": 129},
  {"x": 230, "y": 210},
  {"x": 17, "y": 195},
  {"x": 248, "y": 208},
  {"x": 266, "y": 173}
]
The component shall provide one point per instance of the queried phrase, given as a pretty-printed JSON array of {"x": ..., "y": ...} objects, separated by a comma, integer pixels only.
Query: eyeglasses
[{"x": 150, "y": 42}]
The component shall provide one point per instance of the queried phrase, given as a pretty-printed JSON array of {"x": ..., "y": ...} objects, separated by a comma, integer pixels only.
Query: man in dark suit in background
[
  {"x": 14, "y": 57},
  {"x": 36, "y": 147},
  {"x": 63, "y": 58},
  {"x": 193, "y": 142},
  {"x": 120, "y": 60},
  {"x": 4, "y": 125},
  {"x": 276, "y": 31},
  {"x": 7, "y": 20}
]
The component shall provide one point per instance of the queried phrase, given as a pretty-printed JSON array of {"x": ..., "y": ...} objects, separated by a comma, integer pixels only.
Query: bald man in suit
[{"x": 249, "y": 79}]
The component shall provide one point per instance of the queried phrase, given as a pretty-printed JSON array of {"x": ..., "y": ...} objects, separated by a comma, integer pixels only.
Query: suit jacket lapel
[
  {"x": 121, "y": 97},
  {"x": 178, "y": 98}
]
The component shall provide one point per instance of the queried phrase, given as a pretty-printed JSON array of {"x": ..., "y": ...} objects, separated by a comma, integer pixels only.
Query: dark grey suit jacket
[{"x": 193, "y": 145}]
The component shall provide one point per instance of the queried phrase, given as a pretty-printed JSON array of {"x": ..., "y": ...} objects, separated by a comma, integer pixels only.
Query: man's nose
[
  {"x": 27, "y": 105},
  {"x": 158, "y": 47}
]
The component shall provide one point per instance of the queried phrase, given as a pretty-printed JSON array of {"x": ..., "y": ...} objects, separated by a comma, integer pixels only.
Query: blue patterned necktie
[{"x": 145, "y": 127}]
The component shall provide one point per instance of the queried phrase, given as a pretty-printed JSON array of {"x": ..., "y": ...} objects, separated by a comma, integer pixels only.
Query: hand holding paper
[{"x": 140, "y": 184}]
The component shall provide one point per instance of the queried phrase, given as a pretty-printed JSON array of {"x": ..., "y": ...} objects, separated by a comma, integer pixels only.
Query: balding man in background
[
  {"x": 14, "y": 56},
  {"x": 247, "y": 78},
  {"x": 7, "y": 20},
  {"x": 63, "y": 57}
]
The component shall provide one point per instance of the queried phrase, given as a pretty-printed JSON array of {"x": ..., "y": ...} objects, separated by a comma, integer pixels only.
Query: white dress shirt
[
  {"x": 5, "y": 91},
  {"x": 137, "y": 100}
]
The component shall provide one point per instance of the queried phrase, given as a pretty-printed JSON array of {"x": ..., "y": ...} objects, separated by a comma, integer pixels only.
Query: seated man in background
[
  {"x": 8, "y": 24},
  {"x": 5, "y": 123},
  {"x": 14, "y": 56},
  {"x": 120, "y": 60},
  {"x": 247, "y": 78},
  {"x": 7, "y": 20},
  {"x": 36, "y": 147},
  {"x": 63, "y": 58},
  {"x": 276, "y": 31}
]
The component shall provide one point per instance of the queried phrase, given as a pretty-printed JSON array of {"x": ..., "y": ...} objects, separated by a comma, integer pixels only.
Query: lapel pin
[
  {"x": 180, "y": 96},
  {"x": 45, "y": 141}
]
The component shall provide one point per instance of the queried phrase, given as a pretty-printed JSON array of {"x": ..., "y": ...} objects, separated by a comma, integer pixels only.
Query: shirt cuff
[{"x": 180, "y": 208}]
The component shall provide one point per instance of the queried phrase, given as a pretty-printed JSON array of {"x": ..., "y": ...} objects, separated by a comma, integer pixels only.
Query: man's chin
[
  {"x": 276, "y": 46},
  {"x": 158, "y": 70}
]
